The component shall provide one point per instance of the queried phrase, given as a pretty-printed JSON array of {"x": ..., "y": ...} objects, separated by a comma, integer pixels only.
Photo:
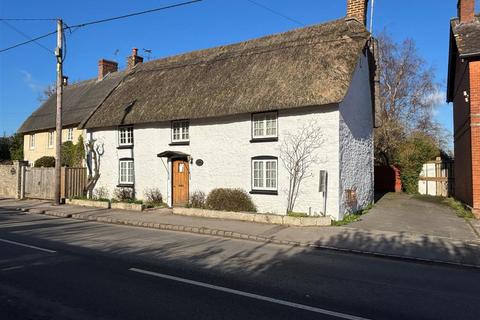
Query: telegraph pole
[{"x": 59, "y": 56}]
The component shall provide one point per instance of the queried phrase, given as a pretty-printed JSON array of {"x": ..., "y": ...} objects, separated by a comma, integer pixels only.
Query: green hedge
[
  {"x": 230, "y": 200},
  {"x": 45, "y": 161}
]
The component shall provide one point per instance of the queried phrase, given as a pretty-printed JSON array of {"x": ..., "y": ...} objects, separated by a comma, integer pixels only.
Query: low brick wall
[
  {"x": 255, "y": 217},
  {"x": 9, "y": 180}
]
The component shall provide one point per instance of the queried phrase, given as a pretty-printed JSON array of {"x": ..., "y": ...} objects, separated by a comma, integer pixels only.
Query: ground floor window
[
  {"x": 126, "y": 171},
  {"x": 264, "y": 173}
]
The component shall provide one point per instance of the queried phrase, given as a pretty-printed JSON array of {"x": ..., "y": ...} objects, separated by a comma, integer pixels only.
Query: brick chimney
[
  {"x": 134, "y": 59},
  {"x": 105, "y": 67},
  {"x": 466, "y": 10},
  {"x": 357, "y": 9}
]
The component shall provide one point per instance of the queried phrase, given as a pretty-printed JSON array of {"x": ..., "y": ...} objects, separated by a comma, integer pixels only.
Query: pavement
[
  {"x": 381, "y": 232},
  {"x": 62, "y": 268}
]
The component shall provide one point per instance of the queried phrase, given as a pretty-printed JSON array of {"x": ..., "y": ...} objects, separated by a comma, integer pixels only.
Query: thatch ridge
[{"x": 298, "y": 68}]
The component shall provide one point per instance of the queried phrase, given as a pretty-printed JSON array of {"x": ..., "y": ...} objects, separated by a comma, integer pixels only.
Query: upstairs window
[
  {"x": 180, "y": 131},
  {"x": 32, "y": 141},
  {"x": 70, "y": 134},
  {"x": 264, "y": 125},
  {"x": 126, "y": 175},
  {"x": 125, "y": 136},
  {"x": 264, "y": 173},
  {"x": 51, "y": 139}
]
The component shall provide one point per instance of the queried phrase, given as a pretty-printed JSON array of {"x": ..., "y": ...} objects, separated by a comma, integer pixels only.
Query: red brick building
[{"x": 464, "y": 92}]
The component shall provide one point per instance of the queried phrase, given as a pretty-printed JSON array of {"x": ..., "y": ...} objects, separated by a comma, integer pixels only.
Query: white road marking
[
  {"x": 27, "y": 246},
  {"x": 251, "y": 295}
]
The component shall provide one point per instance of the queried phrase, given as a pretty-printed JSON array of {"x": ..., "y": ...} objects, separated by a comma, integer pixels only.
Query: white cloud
[{"x": 35, "y": 86}]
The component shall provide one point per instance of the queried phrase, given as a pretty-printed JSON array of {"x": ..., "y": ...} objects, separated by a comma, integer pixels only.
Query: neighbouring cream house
[
  {"x": 79, "y": 100},
  {"x": 217, "y": 118}
]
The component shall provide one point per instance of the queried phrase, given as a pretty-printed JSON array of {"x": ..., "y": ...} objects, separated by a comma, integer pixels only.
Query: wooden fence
[
  {"x": 39, "y": 183},
  {"x": 436, "y": 178},
  {"x": 73, "y": 183}
]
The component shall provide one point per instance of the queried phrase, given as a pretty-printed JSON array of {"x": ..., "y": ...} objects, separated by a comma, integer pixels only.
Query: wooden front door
[{"x": 180, "y": 180}]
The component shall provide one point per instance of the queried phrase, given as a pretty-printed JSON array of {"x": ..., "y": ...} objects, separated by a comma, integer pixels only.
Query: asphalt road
[{"x": 53, "y": 268}]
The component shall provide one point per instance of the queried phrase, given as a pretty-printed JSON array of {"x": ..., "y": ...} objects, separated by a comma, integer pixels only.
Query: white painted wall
[
  {"x": 356, "y": 141},
  {"x": 224, "y": 146}
]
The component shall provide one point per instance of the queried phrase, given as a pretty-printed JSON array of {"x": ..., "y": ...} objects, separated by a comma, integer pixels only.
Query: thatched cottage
[
  {"x": 79, "y": 100},
  {"x": 222, "y": 117}
]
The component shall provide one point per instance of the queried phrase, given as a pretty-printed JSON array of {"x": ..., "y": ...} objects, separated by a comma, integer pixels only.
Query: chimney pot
[
  {"x": 134, "y": 59},
  {"x": 105, "y": 67},
  {"x": 358, "y": 9},
  {"x": 466, "y": 10}
]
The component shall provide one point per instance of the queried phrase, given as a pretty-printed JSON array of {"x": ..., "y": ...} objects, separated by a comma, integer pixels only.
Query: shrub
[
  {"x": 153, "y": 197},
  {"x": 411, "y": 156},
  {"x": 72, "y": 155},
  {"x": 230, "y": 200},
  {"x": 124, "y": 194},
  {"x": 100, "y": 193},
  {"x": 45, "y": 161},
  {"x": 197, "y": 200}
]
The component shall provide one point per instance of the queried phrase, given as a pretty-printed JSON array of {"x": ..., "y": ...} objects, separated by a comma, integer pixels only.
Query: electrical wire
[
  {"x": 277, "y": 13},
  {"x": 74, "y": 27},
  {"x": 26, "y": 36},
  {"x": 134, "y": 14},
  {"x": 26, "y": 19},
  {"x": 29, "y": 41}
]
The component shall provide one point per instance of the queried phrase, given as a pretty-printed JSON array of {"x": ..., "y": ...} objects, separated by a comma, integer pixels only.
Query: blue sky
[{"x": 24, "y": 71}]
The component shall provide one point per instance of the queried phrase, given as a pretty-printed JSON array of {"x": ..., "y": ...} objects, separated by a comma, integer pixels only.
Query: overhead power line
[
  {"x": 29, "y": 41},
  {"x": 26, "y": 19},
  {"x": 277, "y": 13},
  {"x": 25, "y": 36},
  {"x": 134, "y": 14},
  {"x": 80, "y": 25}
]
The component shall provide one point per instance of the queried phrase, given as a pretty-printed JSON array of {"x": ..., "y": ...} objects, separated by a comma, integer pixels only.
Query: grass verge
[{"x": 352, "y": 217}]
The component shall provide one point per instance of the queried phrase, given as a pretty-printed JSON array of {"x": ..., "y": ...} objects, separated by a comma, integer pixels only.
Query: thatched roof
[
  {"x": 467, "y": 37},
  {"x": 79, "y": 100},
  {"x": 303, "y": 67}
]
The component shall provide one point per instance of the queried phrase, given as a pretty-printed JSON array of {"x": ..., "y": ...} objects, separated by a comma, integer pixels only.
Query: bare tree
[
  {"x": 297, "y": 153},
  {"x": 47, "y": 92},
  {"x": 94, "y": 153},
  {"x": 408, "y": 96}
]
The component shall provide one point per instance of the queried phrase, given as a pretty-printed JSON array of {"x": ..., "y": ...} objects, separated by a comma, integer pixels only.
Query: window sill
[
  {"x": 125, "y": 185},
  {"x": 268, "y": 192},
  {"x": 180, "y": 143},
  {"x": 257, "y": 140},
  {"x": 127, "y": 146}
]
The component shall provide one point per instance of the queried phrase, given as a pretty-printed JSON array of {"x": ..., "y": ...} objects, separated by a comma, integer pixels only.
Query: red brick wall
[
  {"x": 475, "y": 129},
  {"x": 357, "y": 9}
]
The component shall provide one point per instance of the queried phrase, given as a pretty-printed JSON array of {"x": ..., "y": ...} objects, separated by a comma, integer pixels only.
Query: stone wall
[{"x": 9, "y": 180}]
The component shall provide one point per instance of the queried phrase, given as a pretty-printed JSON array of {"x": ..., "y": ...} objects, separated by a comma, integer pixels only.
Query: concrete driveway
[{"x": 400, "y": 212}]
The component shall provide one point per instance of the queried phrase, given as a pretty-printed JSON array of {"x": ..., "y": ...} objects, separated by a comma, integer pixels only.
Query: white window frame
[
  {"x": 125, "y": 136},
  {"x": 263, "y": 162},
  {"x": 32, "y": 141},
  {"x": 51, "y": 139},
  {"x": 183, "y": 134},
  {"x": 127, "y": 177},
  {"x": 260, "y": 121},
  {"x": 69, "y": 134}
]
